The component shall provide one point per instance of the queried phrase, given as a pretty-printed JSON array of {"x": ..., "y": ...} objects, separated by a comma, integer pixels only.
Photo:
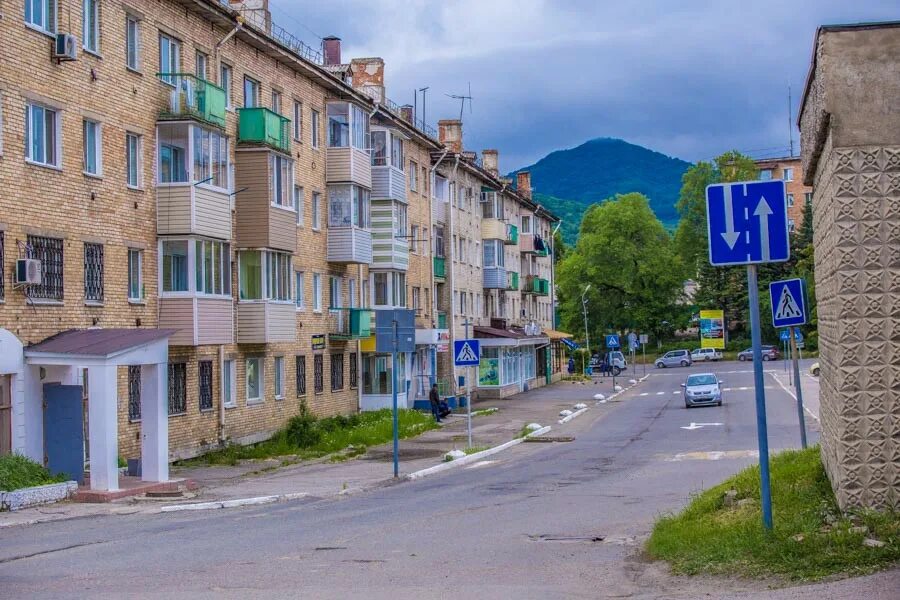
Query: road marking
[
  {"x": 660, "y": 393},
  {"x": 792, "y": 395},
  {"x": 693, "y": 426},
  {"x": 677, "y": 392},
  {"x": 481, "y": 463},
  {"x": 713, "y": 455},
  {"x": 644, "y": 394}
]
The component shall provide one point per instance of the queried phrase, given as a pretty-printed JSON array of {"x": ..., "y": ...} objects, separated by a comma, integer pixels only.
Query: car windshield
[{"x": 701, "y": 380}]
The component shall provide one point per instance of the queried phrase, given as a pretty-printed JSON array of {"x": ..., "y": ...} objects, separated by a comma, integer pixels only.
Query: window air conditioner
[
  {"x": 65, "y": 47},
  {"x": 28, "y": 271}
]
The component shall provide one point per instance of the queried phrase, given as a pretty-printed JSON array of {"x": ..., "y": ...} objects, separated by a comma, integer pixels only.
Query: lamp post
[{"x": 587, "y": 339}]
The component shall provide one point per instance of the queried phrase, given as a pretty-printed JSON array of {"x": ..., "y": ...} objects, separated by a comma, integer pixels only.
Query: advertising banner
[{"x": 712, "y": 329}]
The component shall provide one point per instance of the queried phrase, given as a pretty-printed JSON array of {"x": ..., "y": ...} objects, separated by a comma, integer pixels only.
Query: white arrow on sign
[
  {"x": 731, "y": 236},
  {"x": 763, "y": 210},
  {"x": 693, "y": 426}
]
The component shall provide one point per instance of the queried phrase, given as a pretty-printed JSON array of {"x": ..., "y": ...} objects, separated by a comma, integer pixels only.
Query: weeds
[{"x": 17, "y": 472}]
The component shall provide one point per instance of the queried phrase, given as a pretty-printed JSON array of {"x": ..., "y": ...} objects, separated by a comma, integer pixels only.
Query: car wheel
[
  {"x": 720, "y": 403},
  {"x": 686, "y": 405},
  {"x": 707, "y": 359},
  {"x": 815, "y": 372},
  {"x": 616, "y": 371},
  {"x": 684, "y": 363},
  {"x": 742, "y": 358},
  {"x": 659, "y": 365},
  {"x": 766, "y": 357}
]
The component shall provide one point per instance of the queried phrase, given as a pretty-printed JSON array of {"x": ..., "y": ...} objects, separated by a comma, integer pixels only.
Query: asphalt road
[{"x": 527, "y": 524}]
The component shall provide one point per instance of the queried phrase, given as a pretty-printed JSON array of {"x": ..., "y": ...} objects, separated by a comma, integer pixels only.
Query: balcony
[
  {"x": 347, "y": 164},
  {"x": 349, "y": 245},
  {"x": 197, "y": 321},
  {"x": 351, "y": 323},
  {"x": 439, "y": 210},
  {"x": 493, "y": 229},
  {"x": 264, "y": 322},
  {"x": 512, "y": 235},
  {"x": 388, "y": 183},
  {"x": 442, "y": 320},
  {"x": 512, "y": 282},
  {"x": 536, "y": 285},
  {"x": 261, "y": 126},
  {"x": 258, "y": 222},
  {"x": 440, "y": 267},
  {"x": 530, "y": 243},
  {"x": 193, "y": 98},
  {"x": 494, "y": 278},
  {"x": 388, "y": 250}
]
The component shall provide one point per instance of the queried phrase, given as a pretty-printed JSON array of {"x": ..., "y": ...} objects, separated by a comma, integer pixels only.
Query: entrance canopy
[{"x": 85, "y": 347}]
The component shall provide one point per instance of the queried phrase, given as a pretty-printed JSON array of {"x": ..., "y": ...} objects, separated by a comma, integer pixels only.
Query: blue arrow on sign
[{"x": 747, "y": 223}]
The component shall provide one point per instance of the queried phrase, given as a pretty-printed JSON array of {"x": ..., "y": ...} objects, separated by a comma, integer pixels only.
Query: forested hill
[{"x": 568, "y": 181}]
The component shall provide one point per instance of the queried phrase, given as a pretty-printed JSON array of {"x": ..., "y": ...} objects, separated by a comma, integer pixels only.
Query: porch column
[
  {"x": 154, "y": 422},
  {"x": 104, "y": 435}
]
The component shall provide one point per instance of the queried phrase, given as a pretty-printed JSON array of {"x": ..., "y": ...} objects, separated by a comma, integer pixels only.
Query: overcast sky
[{"x": 690, "y": 79}]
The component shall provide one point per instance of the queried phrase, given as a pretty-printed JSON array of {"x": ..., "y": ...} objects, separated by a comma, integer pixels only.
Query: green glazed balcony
[
  {"x": 194, "y": 98},
  {"x": 512, "y": 235},
  {"x": 512, "y": 281},
  {"x": 440, "y": 267},
  {"x": 543, "y": 252},
  {"x": 442, "y": 320},
  {"x": 351, "y": 323},
  {"x": 536, "y": 285},
  {"x": 259, "y": 125}
]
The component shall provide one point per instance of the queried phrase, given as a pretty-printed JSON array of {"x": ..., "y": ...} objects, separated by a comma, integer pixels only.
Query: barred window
[
  {"x": 318, "y": 375},
  {"x": 301, "y": 375},
  {"x": 134, "y": 393},
  {"x": 2, "y": 269},
  {"x": 337, "y": 372},
  {"x": 93, "y": 272},
  {"x": 177, "y": 388},
  {"x": 354, "y": 371},
  {"x": 206, "y": 392},
  {"x": 50, "y": 252}
]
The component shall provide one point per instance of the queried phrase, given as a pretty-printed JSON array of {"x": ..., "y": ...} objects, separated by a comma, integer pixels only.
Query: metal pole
[
  {"x": 468, "y": 394},
  {"x": 799, "y": 391},
  {"x": 759, "y": 383},
  {"x": 785, "y": 348},
  {"x": 644, "y": 360},
  {"x": 394, "y": 404}
]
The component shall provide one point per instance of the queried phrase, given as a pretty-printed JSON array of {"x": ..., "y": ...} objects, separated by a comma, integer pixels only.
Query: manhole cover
[
  {"x": 567, "y": 539},
  {"x": 546, "y": 440}
]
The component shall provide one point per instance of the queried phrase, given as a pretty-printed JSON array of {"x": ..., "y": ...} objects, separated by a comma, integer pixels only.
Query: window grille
[
  {"x": 50, "y": 252},
  {"x": 301, "y": 375},
  {"x": 93, "y": 272},
  {"x": 337, "y": 372},
  {"x": 354, "y": 371},
  {"x": 206, "y": 386},
  {"x": 134, "y": 393},
  {"x": 177, "y": 388},
  {"x": 318, "y": 375}
]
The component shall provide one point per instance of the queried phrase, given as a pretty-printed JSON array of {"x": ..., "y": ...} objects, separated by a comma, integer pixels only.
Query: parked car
[
  {"x": 616, "y": 360},
  {"x": 674, "y": 358},
  {"x": 705, "y": 354},
  {"x": 814, "y": 369},
  {"x": 702, "y": 389},
  {"x": 768, "y": 353}
]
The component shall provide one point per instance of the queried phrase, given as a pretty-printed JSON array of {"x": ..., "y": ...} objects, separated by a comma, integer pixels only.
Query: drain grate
[
  {"x": 567, "y": 539},
  {"x": 548, "y": 439}
]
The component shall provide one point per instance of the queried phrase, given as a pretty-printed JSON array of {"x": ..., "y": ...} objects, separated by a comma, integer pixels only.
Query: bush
[
  {"x": 301, "y": 431},
  {"x": 17, "y": 472}
]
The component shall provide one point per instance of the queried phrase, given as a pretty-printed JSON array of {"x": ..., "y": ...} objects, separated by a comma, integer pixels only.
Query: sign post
[
  {"x": 467, "y": 353},
  {"x": 747, "y": 224},
  {"x": 644, "y": 339},
  {"x": 789, "y": 309},
  {"x": 612, "y": 343},
  {"x": 395, "y": 332}
]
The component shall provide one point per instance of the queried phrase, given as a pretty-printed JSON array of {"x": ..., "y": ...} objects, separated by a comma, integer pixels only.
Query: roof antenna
[
  {"x": 790, "y": 121},
  {"x": 462, "y": 100}
]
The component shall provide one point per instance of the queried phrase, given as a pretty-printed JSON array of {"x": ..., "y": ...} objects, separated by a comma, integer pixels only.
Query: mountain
[{"x": 569, "y": 181}]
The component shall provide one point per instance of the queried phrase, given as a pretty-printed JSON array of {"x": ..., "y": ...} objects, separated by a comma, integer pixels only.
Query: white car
[
  {"x": 702, "y": 389},
  {"x": 705, "y": 354}
]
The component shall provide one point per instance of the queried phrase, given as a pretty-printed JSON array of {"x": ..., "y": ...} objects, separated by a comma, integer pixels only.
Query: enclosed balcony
[
  {"x": 351, "y": 323},
  {"x": 512, "y": 281},
  {"x": 440, "y": 267},
  {"x": 388, "y": 174},
  {"x": 349, "y": 235},
  {"x": 347, "y": 158},
  {"x": 191, "y": 97},
  {"x": 263, "y": 127},
  {"x": 536, "y": 285},
  {"x": 264, "y": 213},
  {"x": 493, "y": 229},
  {"x": 390, "y": 244},
  {"x": 494, "y": 278},
  {"x": 266, "y": 311},
  {"x": 512, "y": 234}
]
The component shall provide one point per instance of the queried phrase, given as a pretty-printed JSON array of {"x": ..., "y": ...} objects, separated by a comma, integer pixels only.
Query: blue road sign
[
  {"x": 747, "y": 223},
  {"x": 788, "y": 302},
  {"x": 612, "y": 341},
  {"x": 785, "y": 335},
  {"x": 570, "y": 344},
  {"x": 466, "y": 353}
]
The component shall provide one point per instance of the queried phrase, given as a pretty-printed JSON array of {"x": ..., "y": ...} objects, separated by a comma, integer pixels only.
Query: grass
[
  {"x": 484, "y": 412},
  {"x": 306, "y": 437},
  {"x": 475, "y": 449},
  {"x": 811, "y": 538},
  {"x": 17, "y": 472}
]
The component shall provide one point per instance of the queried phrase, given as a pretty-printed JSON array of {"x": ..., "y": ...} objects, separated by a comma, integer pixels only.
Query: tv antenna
[{"x": 462, "y": 100}]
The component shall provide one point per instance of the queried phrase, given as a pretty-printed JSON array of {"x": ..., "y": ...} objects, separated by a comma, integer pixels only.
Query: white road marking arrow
[
  {"x": 693, "y": 426},
  {"x": 731, "y": 236},
  {"x": 763, "y": 210}
]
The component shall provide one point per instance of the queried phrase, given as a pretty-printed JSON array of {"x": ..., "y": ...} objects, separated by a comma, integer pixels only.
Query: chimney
[
  {"x": 331, "y": 50},
  {"x": 450, "y": 134},
  {"x": 523, "y": 183},
  {"x": 368, "y": 77},
  {"x": 406, "y": 113},
  {"x": 255, "y": 13},
  {"x": 490, "y": 160}
]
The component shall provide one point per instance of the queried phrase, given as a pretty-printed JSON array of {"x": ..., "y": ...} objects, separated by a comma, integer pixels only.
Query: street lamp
[{"x": 587, "y": 339}]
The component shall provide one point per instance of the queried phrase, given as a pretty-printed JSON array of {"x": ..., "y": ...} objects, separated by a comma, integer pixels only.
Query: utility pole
[
  {"x": 587, "y": 339},
  {"x": 466, "y": 324},
  {"x": 394, "y": 401}
]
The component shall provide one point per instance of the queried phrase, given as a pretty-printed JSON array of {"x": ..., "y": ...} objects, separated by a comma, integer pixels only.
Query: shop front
[{"x": 509, "y": 361}]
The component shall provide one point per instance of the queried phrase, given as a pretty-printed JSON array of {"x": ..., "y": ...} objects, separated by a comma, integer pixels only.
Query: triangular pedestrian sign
[{"x": 788, "y": 307}]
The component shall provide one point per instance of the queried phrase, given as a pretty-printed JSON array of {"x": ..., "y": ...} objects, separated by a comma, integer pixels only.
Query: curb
[
  {"x": 215, "y": 505},
  {"x": 572, "y": 416},
  {"x": 459, "y": 462}
]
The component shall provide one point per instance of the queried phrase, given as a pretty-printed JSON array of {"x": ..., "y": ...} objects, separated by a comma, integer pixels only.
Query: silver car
[
  {"x": 702, "y": 389},
  {"x": 674, "y": 358}
]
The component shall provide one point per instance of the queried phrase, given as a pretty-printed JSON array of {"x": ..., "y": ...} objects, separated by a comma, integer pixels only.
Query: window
[
  {"x": 251, "y": 92},
  {"x": 526, "y": 224},
  {"x": 299, "y": 203},
  {"x": 278, "y": 275},
  {"x": 50, "y": 252},
  {"x": 229, "y": 384},
  {"x": 366, "y": 300},
  {"x": 354, "y": 371},
  {"x": 298, "y": 121},
  {"x": 93, "y": 148},
  {"x": 788, "y": 174},
  {"x": 276, "y": 266},
  {"x": 400, "y": 220},
  {"x": 414, "y": 239},
  {"x": 397, "y": 152},
  {"x": 380, "y": 285},
  {"x": 41, "y": 135},
  {"x": 413, "y": 172},
  {"x": 791, "y": 225},
  {"x": 318, "y": 374},
  {"x": 299, "y": 295},
  {"x": 93, "y": 272},
  {"x": 90, "y": 25},
  {"x": 134, "y": 393},
  {"x": 335, "y": 299},
  {"x": 379, "y": 148},
  {"x": 132, "y": 43},
  {"x": 790, "y": 199},
  {"x": 417, "y": 299},
  {"x": 398, "y": 281},
  {"x": 316, "y": 203},
  {"x": 765, "y": 174},
  {"x": 254, "y": 380},
  {"x": 279, "y": 377},
  {"x": 201, "y": 64},
  {"x": 351, "y": 287},
  {"x": 493, "y": 253},
  {"x": 133, "y": 160},
  {"x": 212, "y": 267},
  {"x": 225, "y": 83},
  {"x": 41, "y": 14},
  {"x": 172, "y": 162},
  {"x": 807, "y": 197},
  {"x": 210, "y": 158},
  {"x": 348, "y": 125},
  {"x": 377, "y": 373},
  {"x": 317, "y": 292},
  {"x": 177, "y": 388},
  {"x": 276, "y": 101},
  {"x": 282, "y": 178},
  {"x": 205, "y": 375},
  {"x": 301, "y": 375},
  {"x": 169, "y": 58},
  {"x": 174, "y": 266},
  {"x": 348, "y": 206},
  {"x": 314, "y": 128},
  {"x": 337, "y": 372}
]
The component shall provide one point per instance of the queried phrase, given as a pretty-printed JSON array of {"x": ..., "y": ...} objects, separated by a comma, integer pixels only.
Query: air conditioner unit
[
  {"x": 28, "y": 271},
  {"x": 65, "y": 47}
]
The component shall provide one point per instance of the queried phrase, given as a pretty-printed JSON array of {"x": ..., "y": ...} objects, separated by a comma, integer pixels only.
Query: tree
[{"x": 560, "y": 249}]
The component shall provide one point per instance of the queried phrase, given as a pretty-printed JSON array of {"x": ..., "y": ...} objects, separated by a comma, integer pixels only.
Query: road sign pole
[
  {"x": 644, "y": 357},
  {"x": 759, "y": 383},
  {"x": 468, "y": 395},
  {"x": 799, "y": 390},
  {"x": 394, "y": 404}
]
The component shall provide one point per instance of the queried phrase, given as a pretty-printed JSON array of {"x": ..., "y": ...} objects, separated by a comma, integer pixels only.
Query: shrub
[
  {"x": 302, "y": 432},
  {"x": 17, "y": 471}
]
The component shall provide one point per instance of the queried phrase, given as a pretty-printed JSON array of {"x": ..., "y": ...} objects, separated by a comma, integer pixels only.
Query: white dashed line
[
  {"x": 660, "y": 393},
  {"x": 644, "y": 394}
]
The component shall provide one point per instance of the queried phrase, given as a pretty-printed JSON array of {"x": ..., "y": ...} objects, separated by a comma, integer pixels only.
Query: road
[{"x": 522, "y": 525}]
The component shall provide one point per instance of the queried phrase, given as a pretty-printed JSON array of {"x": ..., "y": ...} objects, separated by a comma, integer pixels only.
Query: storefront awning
[
  {"x": 555, "y": 335},
  {"x": 514, "y": 336}
]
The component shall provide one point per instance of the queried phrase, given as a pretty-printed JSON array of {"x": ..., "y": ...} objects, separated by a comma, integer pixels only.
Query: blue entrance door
[{"x": 63, "y": 430}]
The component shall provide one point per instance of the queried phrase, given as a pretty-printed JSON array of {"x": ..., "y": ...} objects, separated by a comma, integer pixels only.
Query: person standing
[
  {"x": 435, "y": 400},
  {"x": 571, "y": 366}
]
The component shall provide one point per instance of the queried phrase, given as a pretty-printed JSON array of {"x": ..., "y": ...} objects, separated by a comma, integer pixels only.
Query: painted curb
[
  {"x": 572, "y": 416},
  {"x": 215, "y": 505},
  {"x": 473, "y": 457}
]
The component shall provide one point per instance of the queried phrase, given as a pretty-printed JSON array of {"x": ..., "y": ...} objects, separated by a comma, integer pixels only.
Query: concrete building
[
  {"x": 850, "y": 132},
  {"x": 788, "y": 169}
]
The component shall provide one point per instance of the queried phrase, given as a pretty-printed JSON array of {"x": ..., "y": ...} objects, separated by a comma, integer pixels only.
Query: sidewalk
[{"x": 269, "y": 481}]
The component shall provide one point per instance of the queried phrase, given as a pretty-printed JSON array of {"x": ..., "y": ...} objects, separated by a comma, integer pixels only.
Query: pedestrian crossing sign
[
  {"x": 466, "y": 353},
  {"x": 788, "y": 299}
]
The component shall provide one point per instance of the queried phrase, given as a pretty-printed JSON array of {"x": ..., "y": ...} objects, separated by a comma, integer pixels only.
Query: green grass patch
[
  {"x": 307, "y": 437},
  {"x": 485, "y": 412},
  {"x": 17, "y": 472},
  {"x": 811, "y": 538},
  {"x": 475, "y": 449}
]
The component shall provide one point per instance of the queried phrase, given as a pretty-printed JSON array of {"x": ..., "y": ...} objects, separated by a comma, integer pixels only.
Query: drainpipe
[
  {"x": 553, "y": 275},
  {"x": 221, "y": 432},
  {"x": 452, "y": 269},
  {"x": 220, "y": 43},
  {"x": 433, "y": 378}
]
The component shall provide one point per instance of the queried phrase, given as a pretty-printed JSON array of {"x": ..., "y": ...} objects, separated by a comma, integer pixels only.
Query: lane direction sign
[
  {"x": 788, "y": 302},
  {"x": 466, "y": 353},
  {"x": 747, "y": 223}
]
